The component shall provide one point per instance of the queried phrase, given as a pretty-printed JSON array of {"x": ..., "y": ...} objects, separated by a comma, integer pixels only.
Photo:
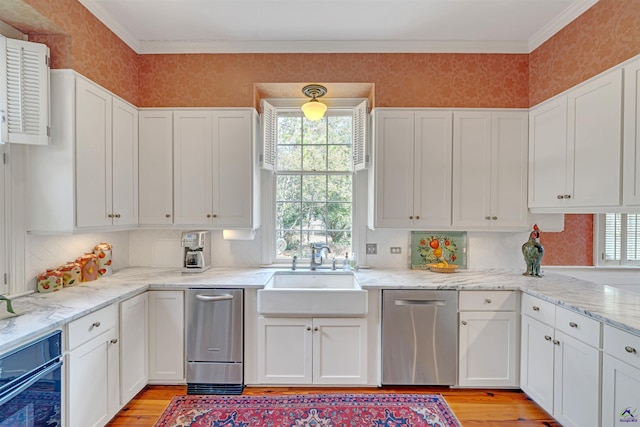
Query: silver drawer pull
[
  {"x": 488, "y": 301},
  {"x": 573, "y": 324},
  {"x": 95, "y": 325},
  {"x": 536, "y": 308},
  {"x": 630, "y": 350},
  {"x": 214, "y": 297},
  {"x": 547, "y": 337}
]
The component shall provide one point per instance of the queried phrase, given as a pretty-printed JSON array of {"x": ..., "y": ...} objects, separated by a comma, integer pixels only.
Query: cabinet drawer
[
  {"x": 487, "y": 300},
  {"x": 622, "y": 345},
  {"x": 90, "y": 326},
  {"x": 578, "y": 326},
  {"x": 543, "y": 311}
]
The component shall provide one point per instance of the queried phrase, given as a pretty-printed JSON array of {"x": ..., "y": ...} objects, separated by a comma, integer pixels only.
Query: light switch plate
[
  {"x": 396, "y": 250},
  {"x": 372, "y": 248}
]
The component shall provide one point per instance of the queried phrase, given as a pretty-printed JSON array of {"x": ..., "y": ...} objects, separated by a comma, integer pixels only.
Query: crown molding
[
  {"x": 317, "y": 46},
  {"x": 106, "y": 18},
  {"x": 565, "y": 18}
]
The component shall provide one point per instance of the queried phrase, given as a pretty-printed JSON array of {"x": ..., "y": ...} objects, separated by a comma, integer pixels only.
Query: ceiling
[{"x": 335, "y": 26}]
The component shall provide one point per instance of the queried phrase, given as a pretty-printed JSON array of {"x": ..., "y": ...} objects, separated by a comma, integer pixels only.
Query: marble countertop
[{"x": 41, "y": 313}]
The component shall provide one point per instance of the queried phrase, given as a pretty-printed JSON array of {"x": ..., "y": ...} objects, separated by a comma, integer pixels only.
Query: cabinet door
[
  {"x": 471, "y": 169},
  {"x": 536, "y": 362},
  {"x": 488, "y": 349},
  {"x": 92, "y": 386},
  {"x": 134, "y": 345},
  {"x": 125, "y": 164},
  {"x": 509, "y": 169},
  {"x": 394, "y": 158},
  {"x": 620, "y": 392},
  {"x": 233, "y": 164},
  {"x": 93, "y": 155},
  {"x": 631, "y": 166},
  {"x": 155, "y": 174},
  {"x": 192, "y": 167},
  {"x": 284, "y": 350},
  {"x": 432, "y": 169},
  {"x": 166, "y": 336},
  {"x": 548, "y": 153},
  {"x": 595, "y": 141},
  {"x": 339, "y": 351},
  {"x": 576, "y": 393}
]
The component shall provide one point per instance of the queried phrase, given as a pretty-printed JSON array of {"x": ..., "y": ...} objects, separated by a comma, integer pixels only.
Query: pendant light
[{"x": 314, "y": 109}]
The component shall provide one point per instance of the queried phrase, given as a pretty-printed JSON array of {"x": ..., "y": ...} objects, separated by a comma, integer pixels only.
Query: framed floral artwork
[{"x": 432, "y": 247}]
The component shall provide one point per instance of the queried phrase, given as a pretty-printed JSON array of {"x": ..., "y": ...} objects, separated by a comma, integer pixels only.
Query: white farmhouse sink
[{"x": 312, "y": 294}]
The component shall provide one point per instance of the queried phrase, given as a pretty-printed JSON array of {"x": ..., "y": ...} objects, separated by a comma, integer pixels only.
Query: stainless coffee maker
[{"x": 197, "y": 251}]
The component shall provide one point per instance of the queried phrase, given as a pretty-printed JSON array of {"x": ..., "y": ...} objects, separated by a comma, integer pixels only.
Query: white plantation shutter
[
  {"x": 269, "y": 128},
  {"x": 621, "y": 237},
  {"x": 27, "y": 103},
  {"x": 360, "y": 134}
]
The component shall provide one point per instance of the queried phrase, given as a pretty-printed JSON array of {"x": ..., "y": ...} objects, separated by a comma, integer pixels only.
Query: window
[
  {"x": 314, "y": 183},
  {"x": 619, "y": 239}
]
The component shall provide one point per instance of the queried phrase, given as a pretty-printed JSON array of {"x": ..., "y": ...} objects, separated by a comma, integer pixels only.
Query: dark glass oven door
[{"x": 36, "y": 402}]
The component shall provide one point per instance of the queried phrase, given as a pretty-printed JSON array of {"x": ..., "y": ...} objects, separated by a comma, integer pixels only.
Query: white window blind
[
  {"x": 26, "y": 66},
  {"x": 620, "y": 239}
]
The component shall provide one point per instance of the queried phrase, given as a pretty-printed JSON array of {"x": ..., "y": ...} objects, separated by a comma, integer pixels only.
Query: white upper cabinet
[
  {"x": 490, "y": 169},
  {"x": 87, "y": 177},
  {"x": 631, "y": 167},
  {"x": 24, "y": 83},
  {"x": 576, "y": 145},
  {"x": 215, "y": 177},
  {"x": 155, "y": 173},
  {"x": 411, "y": 183}
]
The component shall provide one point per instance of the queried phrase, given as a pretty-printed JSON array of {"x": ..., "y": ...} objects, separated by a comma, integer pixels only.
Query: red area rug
[{"x": 320, "y": 410}]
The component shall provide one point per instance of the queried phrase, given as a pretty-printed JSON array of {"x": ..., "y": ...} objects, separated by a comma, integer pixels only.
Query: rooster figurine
[{"x": 533, "y": 252}]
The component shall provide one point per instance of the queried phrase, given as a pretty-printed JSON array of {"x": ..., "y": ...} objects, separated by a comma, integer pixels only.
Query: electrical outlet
[
  {"x": 396, "y": 250},
  {"x": 372, "y": 248}
]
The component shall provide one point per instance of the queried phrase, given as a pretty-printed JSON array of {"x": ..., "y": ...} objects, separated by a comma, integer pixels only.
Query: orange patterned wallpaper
[
  {"x": 401, "y": 80},
  {"x": 89, "y": 47},
  {"x": 573, "y": 246},
  {"x": 605, "y": 35}
]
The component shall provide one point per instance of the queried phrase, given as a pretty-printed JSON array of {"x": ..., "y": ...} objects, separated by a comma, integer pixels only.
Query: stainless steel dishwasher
[
  {"x": 419, "y": 337},
  {"x": 214, "y": 328}
]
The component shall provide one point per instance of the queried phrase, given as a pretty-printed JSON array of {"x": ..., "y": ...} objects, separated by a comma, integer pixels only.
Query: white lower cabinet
[
  {"x": 92, "y": 369},
  {"x": 166, "y": 337},
  {"x": 134, "y": 346},
  {"x": 312, "y": 350},
  {"x": 560, "y": 364},
  {"x": 488, "y": 339},
  {"x": 620, "y": 378}
]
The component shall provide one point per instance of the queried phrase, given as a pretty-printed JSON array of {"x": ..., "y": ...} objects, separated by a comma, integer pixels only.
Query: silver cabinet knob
[
  {"x": 560, "y": 197},
  {"x": 96, "y": 324},
  {"x": 117, "y": 215},
  {"x": 573, "y": 324},
  {"x": 411, "y": 217},
  {"x": 494, "y": 218},
  {"x": 308, "y": 328},
  {"x": 110, "y": 215},
  {"x": 556, "y": 342},
  {"x": 630, "y": 350},
  {"x": 548, "y": 338},
  {"x": 114, "y": 341},
  {"x": 567, "y": 196},
  {"x": 418, "y": 217},
  {"x": 464, "y": 322},
  {"x": 316, "y": 329},
  {"x": 488, "y": 301},
  {"x": 536, "y": 308},
  {"x": 488, "y": 218},
  {"x": 208, "y": 215},
  {"x": 167, "y": 215}
]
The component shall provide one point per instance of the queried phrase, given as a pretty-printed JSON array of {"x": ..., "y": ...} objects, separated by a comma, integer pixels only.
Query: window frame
[
  {"x": 600, "y": 243},
  {"x": 359, "y": 186}
]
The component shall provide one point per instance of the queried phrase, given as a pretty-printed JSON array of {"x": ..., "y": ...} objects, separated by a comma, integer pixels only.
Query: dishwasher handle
[
  {"x": 214, "y": 297},
  {"x": 428, "y": 302}
]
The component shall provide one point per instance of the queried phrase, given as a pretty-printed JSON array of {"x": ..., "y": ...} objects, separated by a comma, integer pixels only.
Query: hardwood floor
[{"x": 473, "y": 407}]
